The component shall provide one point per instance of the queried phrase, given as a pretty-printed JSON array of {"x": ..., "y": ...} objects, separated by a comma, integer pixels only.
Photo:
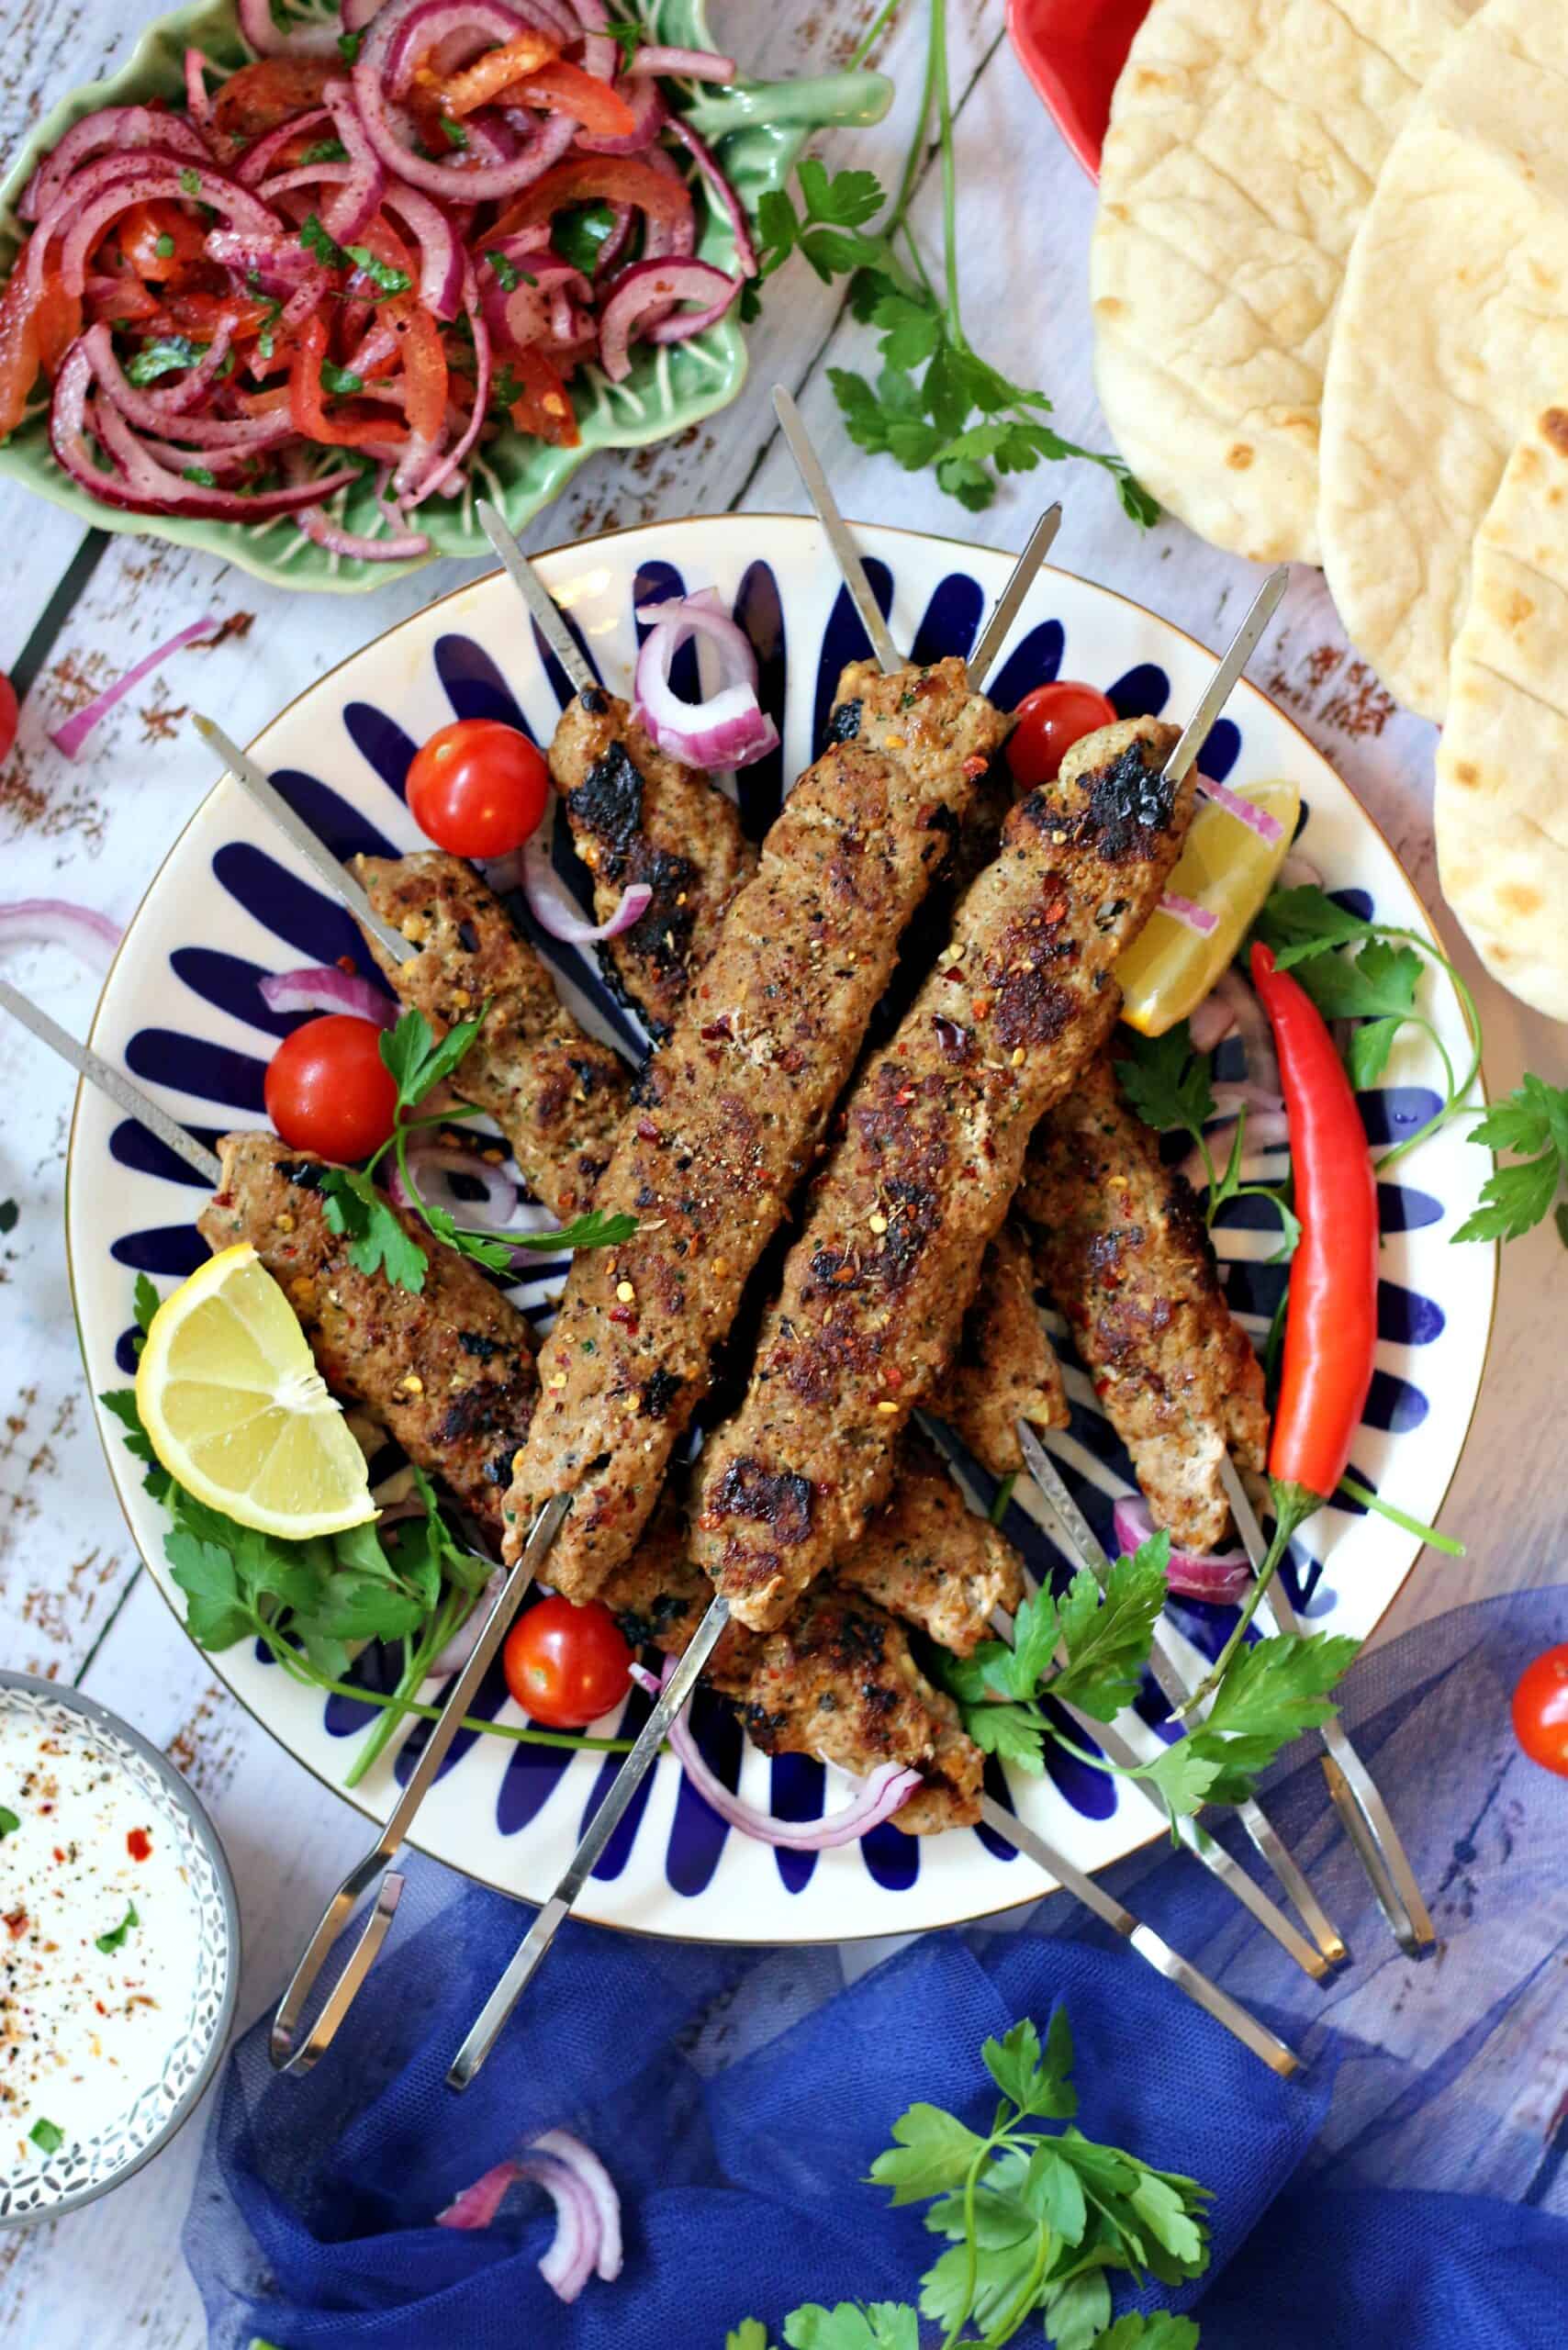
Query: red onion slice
[
  {"x": 357, "y": 199},
  {"x": 73, "y": 732},
  {"x": 1188, "y": 912},
  {"x": 112, "y": 128},
  {"x": 729, "y": 729},
  {"x": 197, "y": 103},
  {"x": 647, "y": 105},
  {"x": 268, "y": 39},
  {"x": 578, "y": 2248},
  {"x": 397, "y": 40},
  {"x": 430, "y": 1163},
  {"x": 653, "y": 286},
  {"x": 257, "y": 159},
  {"x": 323, "y": 988},
  {"x": 691, "y": 64},
  {"x": 1299, "y": 872},
  {"x": 560, "y": 2145},
  {"x": 54, "y": 922},
  {"x": 460, "y": 1648},
  {"x": 1266, "y": 1130},
  {"x": 708, "y": 163},
  {"x": 1260, "y": 1059},
  {"x": 142, "y": 486},
  {"x": 555, "y": 910},
  {"x": 1246, "y": 812},
  {"x": 1222, "y": 1576},
  {"x": 236, "y": 203},
  {"x": 876, "y": 1799},
  {"x": 1212, "y": 1021}
]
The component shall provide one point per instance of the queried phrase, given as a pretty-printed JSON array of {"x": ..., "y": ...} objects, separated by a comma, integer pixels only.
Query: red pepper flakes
[
  {"x": 625, "y": 1314},
  {"x": 139, "y": 1844},
  {"x": 16, "y": 1923},
  {"x": 647, "y": 1130}
]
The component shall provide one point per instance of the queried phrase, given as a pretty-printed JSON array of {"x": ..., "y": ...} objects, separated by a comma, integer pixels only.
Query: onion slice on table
[
  {"x": 875, "y": 1798},
  {"x": 554, "y": 909},
  {"x": 730, "y": 729},
  {"x": 1222, "y": 1576},
  {"x": 69, "y": 735},
  {"x": 54, "y": 922},
  {"x": 321, "y": 986},
  {"x": 588, "y": 2209}
]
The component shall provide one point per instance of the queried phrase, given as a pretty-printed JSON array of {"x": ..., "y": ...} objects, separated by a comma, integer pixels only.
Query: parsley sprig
[
  {"x": 356, "y": 1206},
  {"x": 1035, "y": 2219},
  {"x": 1169, "y": 1085},
  {"x": 936, "y": 404},
  {"x": 1532, "y": 1124},
  {"x": 1087, "y": 1649}
]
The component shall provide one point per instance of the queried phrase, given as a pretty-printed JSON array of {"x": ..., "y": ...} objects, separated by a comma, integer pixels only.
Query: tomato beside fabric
[
  {"x": 328, "y": 1090},
  {"x": 9, "y": 715},
  {"x": 1050, "y": 721},
  {"x": 478, "y": 787},
  {"x": 567, "y": 1665},
  {"x": 1540, "y": 1711}
]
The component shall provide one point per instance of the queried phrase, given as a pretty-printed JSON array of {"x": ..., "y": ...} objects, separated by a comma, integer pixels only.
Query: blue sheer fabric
[{"x": 1412, "y": 2188}]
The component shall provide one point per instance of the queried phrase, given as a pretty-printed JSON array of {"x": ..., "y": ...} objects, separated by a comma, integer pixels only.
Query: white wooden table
[{"x": 75, "y": 1602}]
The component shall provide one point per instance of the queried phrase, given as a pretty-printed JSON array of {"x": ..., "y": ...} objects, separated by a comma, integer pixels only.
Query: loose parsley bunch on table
[
  {"x": 1036, "y": 2221},
  {"x": 936, "y": 404}
]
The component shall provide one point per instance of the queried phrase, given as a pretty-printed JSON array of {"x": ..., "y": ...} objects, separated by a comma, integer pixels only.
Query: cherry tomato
[
  {"x": 478, "y": 787},
  {"x": 567, "y": 1665},
  {"x": 1050, "y": 721},
  {"x": 329, "y": 1092},
  {"x": 1540, "y": 1711}
]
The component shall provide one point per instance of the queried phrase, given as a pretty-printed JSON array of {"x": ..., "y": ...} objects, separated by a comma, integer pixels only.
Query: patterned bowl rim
[
  {"x": 769, "y": 519},
  {"x": 186, "y": 1800}
]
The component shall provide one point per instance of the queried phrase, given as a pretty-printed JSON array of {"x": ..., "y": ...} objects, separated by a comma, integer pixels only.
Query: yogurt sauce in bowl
[{"x": 117, "y": 1949}]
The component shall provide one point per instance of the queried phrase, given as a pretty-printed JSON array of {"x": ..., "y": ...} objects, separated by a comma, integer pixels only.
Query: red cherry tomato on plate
[
  {"x": 478, "y": 787},
  {"x": 329, "y": 1092},
  {"x": 1540, "y": 1711},
  {"x": 1050, "y": 721},
  {"x": 567, "y": 1665}
]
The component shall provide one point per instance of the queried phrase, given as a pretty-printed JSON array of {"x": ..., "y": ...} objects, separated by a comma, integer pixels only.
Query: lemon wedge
[
  {"x": 237, "y": 1411},
  {"x": 1226, "y": 869}
]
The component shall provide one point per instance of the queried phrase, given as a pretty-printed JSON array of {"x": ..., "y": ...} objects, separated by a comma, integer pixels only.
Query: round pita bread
[
  {"x": 1245, "y": 139},
  {"x": 1502, "y": 788},
  {"x": 1451, "y": 335}
]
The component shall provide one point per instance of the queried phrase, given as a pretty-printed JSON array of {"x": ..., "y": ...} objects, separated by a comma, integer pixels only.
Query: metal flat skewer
[
  {"x": 1038, "y": 544},
  {"x": 1330, "y": 1945},
  {"x": 845, "y": 552},
  {"x": 537, "y": 597},
  {"x": 531, "y": 1952},
  {"x": 120, "y": 1089},
  {"x": 1150, "y": 1947},
  {"x": 288, "y": 2052},
  {"x": 259, "y": 786},
  {"x": 1238, "y": 653},
  {"x": 1351, "y": 1785}
]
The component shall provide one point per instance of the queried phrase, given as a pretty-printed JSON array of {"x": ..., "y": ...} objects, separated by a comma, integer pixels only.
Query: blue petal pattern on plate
[{"x": 308, "y": 926}]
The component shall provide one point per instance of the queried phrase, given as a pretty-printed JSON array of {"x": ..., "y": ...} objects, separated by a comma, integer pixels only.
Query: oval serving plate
[
  {"x": 181, "y": 1010},
  {"x": 758, "y": 128}
]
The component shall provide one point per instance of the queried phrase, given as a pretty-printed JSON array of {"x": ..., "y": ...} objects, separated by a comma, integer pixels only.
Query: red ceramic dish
[{"x": 1074, "y": 51}]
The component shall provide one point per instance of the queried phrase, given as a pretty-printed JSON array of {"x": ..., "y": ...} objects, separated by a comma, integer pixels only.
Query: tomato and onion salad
[
  {"x": 329, "y": 1092},
  {"x": 478, "y": 787},
  {"x": 353, "y": 261},
  {"x": 568, "y": 1665},
  {"x": 1540, "y": 1711}
]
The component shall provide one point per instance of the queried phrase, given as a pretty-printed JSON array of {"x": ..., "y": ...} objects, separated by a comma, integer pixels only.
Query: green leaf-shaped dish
[{"x": 759, "y": 130}]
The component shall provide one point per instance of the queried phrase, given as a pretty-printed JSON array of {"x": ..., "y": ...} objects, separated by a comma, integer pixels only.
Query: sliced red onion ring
[
  {"x": 728, "y": 730},
  {"x": 397, "y": 39},
  {"x": 357, "y": 14},
  {"x": 1222, "y": 1576},
  {"x": 585, "y": 2239},
  {"x": 1229, "y": 1098},
  {"x": 357, "y": 199},
  {"x": 257, "y": 159},
  {"x": 647, "y": 105},
  {"x": 430, "y": 1163},
  {"x": 197, "y": 103},
  {"x": 395, "y": 546},
  {"x": 157, "y": 186},
  {"x": 653, "y": 286},
  {"x": 281, "y": 262},
  {"x": 1246, "y": 812},
  {"x": 1266, "y": 1130},
  {"x": 460, "y": 1648},
  {"x": 1261, "y": 1060},
  {"x": 1188, "y": 911},
  {"x": 1210, "y": 1023},
  {"x": 306, "y": 38},
  {"x": 1299, "y": 872},
  {"x": 53, "y": 922},
  {"x": 142, "y": 486},
  {"x": 692, "y": 64},
  {"x": 708, "y": 163},
  {"x": 441, "y": 259},
  {"x": 560, "y": 2145},
  {"x": 323, "y": 988},
  {"x": 73, "y": 732},
  {"x": 444, "y": 470},
  {"x": 876, "y": 1797},
  {"x": 554, "y": 909},
  {"x": 151, "y": 410},
  {"x": 112, "y": 128}
]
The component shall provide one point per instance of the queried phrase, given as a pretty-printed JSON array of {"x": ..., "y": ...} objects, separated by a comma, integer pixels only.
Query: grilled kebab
[
  {"x": 1006, "y": 1369},
  {"x": 1121, "y": 1247},
  {"x": 933, "y": 1147},
  {"x": 730, "y": 1110}
]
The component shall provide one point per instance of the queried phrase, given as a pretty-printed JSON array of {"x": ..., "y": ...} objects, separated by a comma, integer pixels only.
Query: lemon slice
[
  {"x": 237, "y": 1411},
  {"x": 1229, "y": 869}
]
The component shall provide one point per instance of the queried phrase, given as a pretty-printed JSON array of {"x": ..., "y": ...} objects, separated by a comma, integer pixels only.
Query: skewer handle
[
  {"x": 1355, "y": 1794},
  {"x": 287, "y": 2051},
  {"x": 531, "y": 1952},
  {"x": 536, "y": 596},
  {"x": 1150, "y": 1947},
  {"x": 846, "y": 553},
  {"x": 995, "y": 634},
  {"x": 107, "y": 1081},
  {"x": 258, "y": 786}
]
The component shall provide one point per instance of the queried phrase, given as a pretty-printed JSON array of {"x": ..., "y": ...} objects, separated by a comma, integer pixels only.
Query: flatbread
[
  {"x": 1450, "y": 337},
  {"x": 1245, "y": 139},
  {"x": 1502, "y": 789}
]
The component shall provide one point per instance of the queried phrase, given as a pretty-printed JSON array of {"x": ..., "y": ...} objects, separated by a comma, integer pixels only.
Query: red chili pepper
[{"x": 1331, "y": 1327}]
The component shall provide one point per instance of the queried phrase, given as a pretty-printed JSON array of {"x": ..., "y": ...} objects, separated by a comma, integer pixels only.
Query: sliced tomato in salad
[
  {"x": 329, "y": 1092},
  {"x": 567, "y": 1665},
  {"x": 561, "y": 88},
  {"x": 1050, "y": 721},
  {"x": 262, "y": 96},
  {"x": 543, "y": 406},
  {"x": 339, "y": 428},
  {"x": 497, "y": 70},
  {"x": 478, "y": 787},
  {"x": 160, "y": 241},
  {"x": 424, "y": 369},
  {"x": 619, "y": 179}
]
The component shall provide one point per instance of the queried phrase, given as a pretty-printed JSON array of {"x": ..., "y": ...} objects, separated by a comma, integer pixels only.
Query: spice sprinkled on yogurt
[{"x": 99, "y": 1940}]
